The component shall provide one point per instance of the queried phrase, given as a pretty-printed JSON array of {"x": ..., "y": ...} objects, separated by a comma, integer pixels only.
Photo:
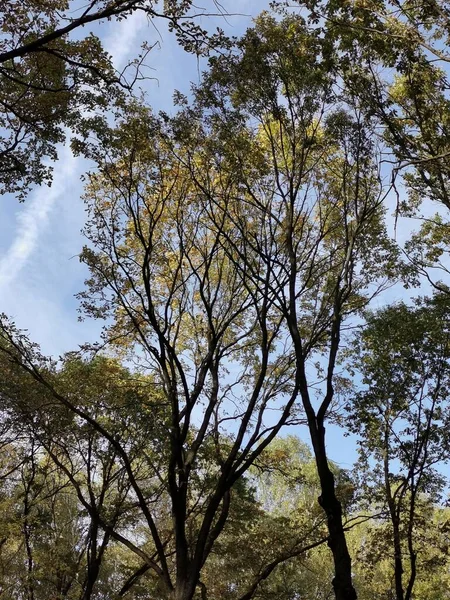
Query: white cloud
[
  {"x": 33, "y": 216},
  {"x": 37, "y": 279},
  {"x": 31, "y": 221},
  {"x": 121, "y": 41}
]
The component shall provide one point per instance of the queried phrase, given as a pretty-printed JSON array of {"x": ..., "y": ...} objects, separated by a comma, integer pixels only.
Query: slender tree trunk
[
  {"x": 30, "y": 562},
  {"x": 94, "y": 560},
  {"x": 395, "y": 520},
  {"x": 183, "y": 591},
  {"x": 91, "y": 580},
  {"x": 26, "y": 528},
  {"x": 342, "y": 581},
  {"x": 398, "y": 562},
  {"x": 412, "y": 561}
]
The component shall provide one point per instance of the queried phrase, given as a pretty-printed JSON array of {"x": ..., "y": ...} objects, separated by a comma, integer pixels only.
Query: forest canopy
[{"x": 243, "y": 256}]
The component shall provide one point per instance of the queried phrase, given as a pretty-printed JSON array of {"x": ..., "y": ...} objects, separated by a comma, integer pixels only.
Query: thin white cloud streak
[
  {"x": 33, "y": 216},
  {"x": 31, "y": 221}
]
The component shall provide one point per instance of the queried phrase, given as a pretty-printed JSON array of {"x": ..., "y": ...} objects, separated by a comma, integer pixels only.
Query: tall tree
[
  {"x": 401, "y": 414},
  {"x": 308, "y": 207}
]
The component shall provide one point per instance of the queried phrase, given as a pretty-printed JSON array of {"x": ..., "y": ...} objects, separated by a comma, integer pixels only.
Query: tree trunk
[
  {"x": 398, "y": 562},
  {"x": 91, "y": 579},
  {"x": 184, "y": 591},
  {"x": 342, "y": 581},
  {"x": 395, "y": 520}
]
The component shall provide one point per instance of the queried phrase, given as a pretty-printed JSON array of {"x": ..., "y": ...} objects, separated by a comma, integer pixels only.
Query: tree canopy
[
  {"x": 239, "y": 252},
  {"x": 54, "y": 77}
]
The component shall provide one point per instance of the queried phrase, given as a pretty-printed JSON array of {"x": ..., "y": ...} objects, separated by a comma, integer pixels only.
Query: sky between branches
[{"x": 40, "y": 239}]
